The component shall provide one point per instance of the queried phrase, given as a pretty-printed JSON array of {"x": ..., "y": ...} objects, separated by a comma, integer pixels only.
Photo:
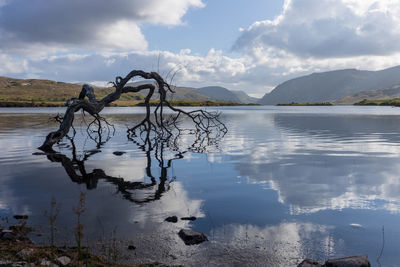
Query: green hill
[{"x": 34, "y": 92}]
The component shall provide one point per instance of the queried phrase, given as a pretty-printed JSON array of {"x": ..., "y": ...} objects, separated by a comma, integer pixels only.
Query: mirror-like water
[{"x": 285, "y": 183}]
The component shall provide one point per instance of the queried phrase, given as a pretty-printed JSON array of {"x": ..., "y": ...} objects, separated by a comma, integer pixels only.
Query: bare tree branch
[{"x": 163, "y": 127}]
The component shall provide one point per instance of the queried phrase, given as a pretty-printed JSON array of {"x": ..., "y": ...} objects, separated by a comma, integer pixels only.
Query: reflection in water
[
  {"x": 318, "y": 162},
  {"x": 148, "y": 140}
]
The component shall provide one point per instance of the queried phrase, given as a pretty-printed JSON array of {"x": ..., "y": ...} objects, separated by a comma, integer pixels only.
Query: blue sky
[
  {"x": 243, "y": 45},
  {"x": 214, "y": 26}
]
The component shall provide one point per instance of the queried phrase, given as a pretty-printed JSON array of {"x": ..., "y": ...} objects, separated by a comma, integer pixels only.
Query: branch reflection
[{"x": 154, "y": 149}]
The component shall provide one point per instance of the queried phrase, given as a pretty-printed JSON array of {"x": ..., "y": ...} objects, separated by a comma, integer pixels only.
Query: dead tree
[{"x": 164, "y": 127}]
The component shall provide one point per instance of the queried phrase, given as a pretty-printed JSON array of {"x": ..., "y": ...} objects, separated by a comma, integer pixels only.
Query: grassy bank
[
  {"x": 307, "y": 104},
  {"x": 119, "y": 103}
]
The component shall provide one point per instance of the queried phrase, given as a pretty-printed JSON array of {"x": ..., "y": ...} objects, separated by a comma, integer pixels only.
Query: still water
[{"x": 284, "y": 184}]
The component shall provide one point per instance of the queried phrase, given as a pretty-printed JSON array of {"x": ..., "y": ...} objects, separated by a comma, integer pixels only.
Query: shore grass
[{"x": 122, "y": 103}]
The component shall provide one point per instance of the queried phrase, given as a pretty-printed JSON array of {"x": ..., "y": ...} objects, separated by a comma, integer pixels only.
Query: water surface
[{"x": 285, "y": 183}]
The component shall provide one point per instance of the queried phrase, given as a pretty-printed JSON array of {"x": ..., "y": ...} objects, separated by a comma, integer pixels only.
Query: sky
[{"x": 248, "y": 45}]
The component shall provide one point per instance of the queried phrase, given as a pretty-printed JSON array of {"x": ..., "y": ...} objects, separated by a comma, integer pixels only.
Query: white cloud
[
  {"x": 308, "y": 36},
  {"x": 327, "y": 28},
  {"x": 43, "y": 27}
]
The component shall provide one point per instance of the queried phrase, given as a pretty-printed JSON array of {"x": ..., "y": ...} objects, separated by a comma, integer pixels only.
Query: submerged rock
[
  {"x": 192, "y": 218},
  {"x": 309, "y": 263},
  {"x": 352, "y": 261},
  {"x": 119, "y": 153},
  {"x": 20, "y": 217},
  {"x": 172, "y": 219},
  {"x": 191, "y": 237}
]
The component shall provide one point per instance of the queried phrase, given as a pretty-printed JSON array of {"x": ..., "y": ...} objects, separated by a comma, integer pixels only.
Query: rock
[
  {"x": 7, "y": 235},
  {"x": 352, "y": 261},
  {"x": 45, "y": 262},
  {"x": 172, "y": 219},
  {"x": 20, "y": 217},
  {"x": 309, "y": 263},
  {"x": 63, "y": 261},
  {"x": 192, "y": 218},
  {"x": 5, "y": 263},
  {"x": 20, "y": 264},
  {"x": 131, "y": 247},
  {"x": 191, "y": 237},
  {"x": 25, "y": 253},
  {"x": 119, "y": 153}
]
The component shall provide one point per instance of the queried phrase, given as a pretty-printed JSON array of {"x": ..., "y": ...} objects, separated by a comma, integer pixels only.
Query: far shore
[{"x": 121, "y": 103}]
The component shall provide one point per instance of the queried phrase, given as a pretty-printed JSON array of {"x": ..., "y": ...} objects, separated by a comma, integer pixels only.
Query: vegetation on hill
[
  {"x": 378, "y": 94},
  {"x": 39, "y": 93},
  {"x": 386, "y": 102}
]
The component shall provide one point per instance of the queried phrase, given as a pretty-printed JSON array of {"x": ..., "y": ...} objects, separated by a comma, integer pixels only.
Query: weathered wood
[{"x": 203, "y": 121}]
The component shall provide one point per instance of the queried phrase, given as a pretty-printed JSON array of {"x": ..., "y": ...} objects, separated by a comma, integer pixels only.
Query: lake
[{"x": 284, "y": 184}]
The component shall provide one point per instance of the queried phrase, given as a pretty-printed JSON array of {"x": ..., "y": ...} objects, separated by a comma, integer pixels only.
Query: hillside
[
  {"x": 219, "y": 93},
  {"x": 35, "y": 92},
  {"x": 181, "y": 94},
  {"x": 380, "y": 94},
  {"x": 332, "y": 85},
  {"x": 245, "y": 98},
  {"x": 45, "y": 92}
]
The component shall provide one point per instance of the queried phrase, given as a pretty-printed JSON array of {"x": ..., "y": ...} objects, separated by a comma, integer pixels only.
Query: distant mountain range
[
  {"x": 50, "y": 92},
  {"x": 340, "y": 87},
  {"x": 213, "y": 93}
]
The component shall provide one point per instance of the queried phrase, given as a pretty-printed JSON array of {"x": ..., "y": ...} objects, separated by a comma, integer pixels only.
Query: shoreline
[{"x": 27, "y": 104}]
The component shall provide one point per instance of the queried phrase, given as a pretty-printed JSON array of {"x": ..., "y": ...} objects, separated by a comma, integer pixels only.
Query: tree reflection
[{"x": 154, "y": 148}]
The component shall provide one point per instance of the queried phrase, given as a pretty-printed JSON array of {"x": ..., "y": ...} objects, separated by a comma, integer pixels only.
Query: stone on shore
[
  {"x": 63, "y": 261},
  {"x": 25, "y": 253}
]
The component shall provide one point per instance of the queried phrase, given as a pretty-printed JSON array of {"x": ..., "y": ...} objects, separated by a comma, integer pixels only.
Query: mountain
[
  {"x": 209, "y": 93},
  {"x": 331, "y": 85},
  {"x": 219, "y": 93}
]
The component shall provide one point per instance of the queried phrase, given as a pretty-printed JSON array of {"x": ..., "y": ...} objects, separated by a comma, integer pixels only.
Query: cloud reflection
[{"x": 319, "y": 162}]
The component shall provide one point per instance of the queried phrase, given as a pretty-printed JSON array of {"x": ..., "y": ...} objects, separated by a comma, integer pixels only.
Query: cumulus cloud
[
  {"x": 327, "y": 28},
  {"x": 37, "y": 25},
  {"x": 98, "y": 40}
]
